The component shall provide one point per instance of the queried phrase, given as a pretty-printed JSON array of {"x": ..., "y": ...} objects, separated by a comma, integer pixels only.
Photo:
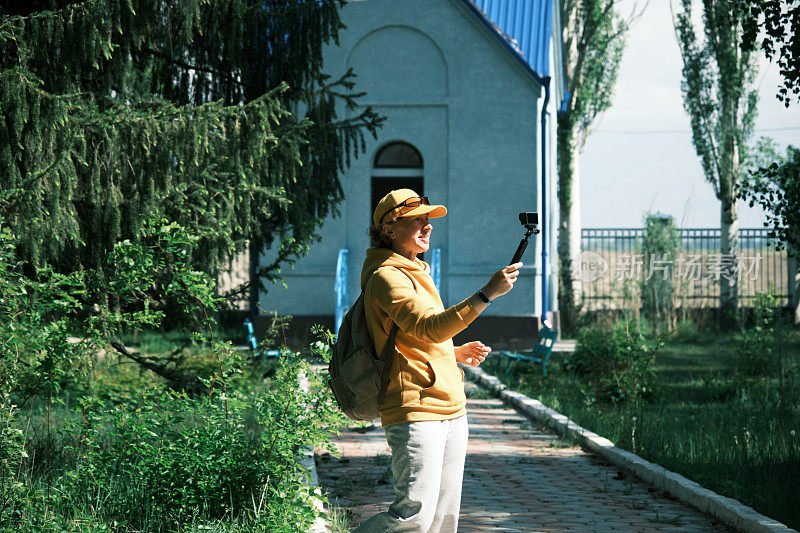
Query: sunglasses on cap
[{"x": 414, "y": 201}]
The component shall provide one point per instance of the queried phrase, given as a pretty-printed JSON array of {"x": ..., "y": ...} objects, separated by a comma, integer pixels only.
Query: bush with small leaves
[
  {"x": 225, "y": 456},
  {"x": 615, "y": 364},
  {"x": 764, "y": 358},
  {"x": 175, "y": 459}
]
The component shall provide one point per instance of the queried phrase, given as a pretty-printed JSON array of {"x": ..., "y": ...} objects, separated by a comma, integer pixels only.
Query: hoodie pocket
[{"x": 447, "y": 388}]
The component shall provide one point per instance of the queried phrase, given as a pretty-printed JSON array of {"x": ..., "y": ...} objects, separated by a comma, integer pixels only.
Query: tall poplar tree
[
  {"x": 593, "y": 35},
  {"x": 778, "y": 22},
  {"x": 211, "y": 113},
  {"x": 719, "y": 67}
]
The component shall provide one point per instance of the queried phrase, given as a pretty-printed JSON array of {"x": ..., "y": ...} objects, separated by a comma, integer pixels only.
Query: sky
[{"x": 640, "y": 157}]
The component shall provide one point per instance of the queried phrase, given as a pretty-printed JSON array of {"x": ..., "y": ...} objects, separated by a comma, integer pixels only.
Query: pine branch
[
  {"x": 35, "y": 15},
  {"x": 298, "y": 5},
  {"x": 198, "y": 68},
  {"x": 106, "y": 90},
  {"x": 14, "y": 196}
]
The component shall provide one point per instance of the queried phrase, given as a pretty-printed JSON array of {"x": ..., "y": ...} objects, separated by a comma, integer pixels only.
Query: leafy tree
[
  {"x": 211, "y": 113},
  {"x": 780, "y": 22},
  {"x": 774, "y": 184},
  {"x": 593, "y": 35},
  {"x": 718, "y": 72}
]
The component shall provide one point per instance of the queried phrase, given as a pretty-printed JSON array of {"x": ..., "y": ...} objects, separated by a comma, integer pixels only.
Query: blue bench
[{"x": 540, "y": 354}]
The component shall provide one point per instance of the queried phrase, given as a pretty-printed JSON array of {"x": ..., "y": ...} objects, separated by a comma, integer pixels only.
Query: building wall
[{"x": 450, "y": 88}]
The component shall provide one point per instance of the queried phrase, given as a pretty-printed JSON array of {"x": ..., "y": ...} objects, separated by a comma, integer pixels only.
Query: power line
[{"x": 649, "y": 132}]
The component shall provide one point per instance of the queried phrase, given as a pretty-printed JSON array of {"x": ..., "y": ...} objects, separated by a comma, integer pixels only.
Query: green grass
[
  {"x": 157, "y": 342},
  {"x": 338, "y": 519},
  {"x": 740, "y": 438}
]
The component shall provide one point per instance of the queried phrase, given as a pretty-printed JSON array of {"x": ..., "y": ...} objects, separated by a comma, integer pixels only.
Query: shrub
[
  {"x": 137, "y": 455},
  {"x": 175, "y": 460},
  {"x": 615, "y": 364},
  {"x": 761, "y": 349},
  {"x": 12, "y": 455}
]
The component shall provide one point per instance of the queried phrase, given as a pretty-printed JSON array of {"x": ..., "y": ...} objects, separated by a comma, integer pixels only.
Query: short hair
[{"x": 378, "y": 234}]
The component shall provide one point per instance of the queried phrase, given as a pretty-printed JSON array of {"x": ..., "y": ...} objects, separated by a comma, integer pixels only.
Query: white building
[{"x": 470, "y": 91}]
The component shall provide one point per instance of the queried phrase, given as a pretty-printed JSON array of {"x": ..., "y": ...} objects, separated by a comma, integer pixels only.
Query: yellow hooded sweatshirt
[{"x": 425, "y": 383}]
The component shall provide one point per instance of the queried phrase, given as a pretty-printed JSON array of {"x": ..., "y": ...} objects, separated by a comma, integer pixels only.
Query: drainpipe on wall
[{"x": 543, "y": 215}]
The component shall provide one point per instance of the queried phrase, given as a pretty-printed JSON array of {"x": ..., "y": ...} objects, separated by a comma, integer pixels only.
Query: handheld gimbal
[{"x": 531, "y": 222}]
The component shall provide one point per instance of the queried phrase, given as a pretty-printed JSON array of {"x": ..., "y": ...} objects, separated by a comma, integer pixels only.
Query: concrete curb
[
  {"x": 727, "y": 510},
  {"x": 320, "y": 525},
  {"x": 310, "y": 465}
]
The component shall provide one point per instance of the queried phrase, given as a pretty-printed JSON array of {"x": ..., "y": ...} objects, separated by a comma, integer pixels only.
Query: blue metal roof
[{"x": 524, "y": 26}]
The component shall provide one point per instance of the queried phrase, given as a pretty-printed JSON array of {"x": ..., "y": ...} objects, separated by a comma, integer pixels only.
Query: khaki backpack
[{"x": 358, "y": 377}]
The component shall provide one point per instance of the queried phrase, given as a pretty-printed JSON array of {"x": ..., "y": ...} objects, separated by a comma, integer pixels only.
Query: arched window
[
  {"x": 398, "y": 155},
  {"x": 397, "y": 165}
]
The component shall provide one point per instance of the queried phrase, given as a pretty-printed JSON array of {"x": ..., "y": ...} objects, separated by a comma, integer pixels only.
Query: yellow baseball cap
[{"x": 408, "y": 204}]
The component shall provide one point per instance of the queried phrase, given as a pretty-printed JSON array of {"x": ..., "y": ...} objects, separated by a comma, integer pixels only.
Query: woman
[{"x": 424, "y": 412}]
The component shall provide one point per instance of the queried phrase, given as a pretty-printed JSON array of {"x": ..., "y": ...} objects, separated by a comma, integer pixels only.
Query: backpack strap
[
  {"x": 386, "y": 357},
  {"x": 386, "y": 354}
]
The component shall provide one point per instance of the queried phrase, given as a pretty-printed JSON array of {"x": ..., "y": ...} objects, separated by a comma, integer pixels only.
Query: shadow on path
[{"x": 518, "y": 477}]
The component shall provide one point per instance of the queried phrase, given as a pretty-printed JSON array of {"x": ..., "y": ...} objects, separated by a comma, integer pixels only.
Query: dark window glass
[
  {"x": 398, "y": 155},
  {"x": 383, "y": 186}
]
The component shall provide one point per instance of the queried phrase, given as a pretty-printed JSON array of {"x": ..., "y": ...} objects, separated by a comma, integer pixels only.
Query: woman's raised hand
[{"x": 502, "y": 281}]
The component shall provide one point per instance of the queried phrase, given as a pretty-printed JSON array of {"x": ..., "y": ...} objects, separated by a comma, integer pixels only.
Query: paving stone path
[{"x": 517, "y": 477}]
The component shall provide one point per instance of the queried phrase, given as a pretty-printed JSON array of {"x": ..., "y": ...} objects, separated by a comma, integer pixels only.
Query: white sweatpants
[{"x": 428, "y": 467}]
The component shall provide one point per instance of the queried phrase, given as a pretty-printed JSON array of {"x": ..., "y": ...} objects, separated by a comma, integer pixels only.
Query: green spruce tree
[{"x": 214, "y": 114}]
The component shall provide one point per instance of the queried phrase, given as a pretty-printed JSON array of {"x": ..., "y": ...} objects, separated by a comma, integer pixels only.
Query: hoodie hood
[{"x": 378, "y": 257}]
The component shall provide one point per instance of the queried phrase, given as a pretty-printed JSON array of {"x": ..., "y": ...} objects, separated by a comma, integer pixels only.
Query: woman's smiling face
[{"x": 411, "y": 236}]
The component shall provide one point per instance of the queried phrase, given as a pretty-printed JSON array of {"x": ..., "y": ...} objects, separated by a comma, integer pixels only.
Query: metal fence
[{"x": 613, "y": 267}]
